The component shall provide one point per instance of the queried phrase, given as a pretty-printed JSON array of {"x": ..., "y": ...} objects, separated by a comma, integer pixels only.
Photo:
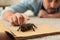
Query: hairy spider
[{"x": 26, "y": 27}]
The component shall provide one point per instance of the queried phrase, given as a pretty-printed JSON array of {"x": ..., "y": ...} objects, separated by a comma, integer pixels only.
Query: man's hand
[
  {"x": 17, "y": 19},
  {"x": 43, "y": 14}
]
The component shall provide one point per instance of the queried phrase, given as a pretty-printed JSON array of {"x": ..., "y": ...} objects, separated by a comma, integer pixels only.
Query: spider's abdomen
[{"x": 26, "y": 27}]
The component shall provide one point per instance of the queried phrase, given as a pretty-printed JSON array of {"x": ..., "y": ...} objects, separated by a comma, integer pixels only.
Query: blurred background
[{"x": 5, "y": 3}]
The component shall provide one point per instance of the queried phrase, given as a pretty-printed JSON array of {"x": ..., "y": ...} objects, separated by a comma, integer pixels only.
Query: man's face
[{"x": 51, "y": 5}]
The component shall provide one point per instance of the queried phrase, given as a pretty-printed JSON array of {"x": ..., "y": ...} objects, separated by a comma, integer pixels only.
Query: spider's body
[{"x": 26, "y": 27}]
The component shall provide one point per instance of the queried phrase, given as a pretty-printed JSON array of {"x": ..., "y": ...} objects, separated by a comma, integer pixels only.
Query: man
[{"x": 41, "y": 8}]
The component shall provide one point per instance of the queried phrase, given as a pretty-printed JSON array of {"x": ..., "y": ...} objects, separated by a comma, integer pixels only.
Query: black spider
[{"x": 26, "y": 27}]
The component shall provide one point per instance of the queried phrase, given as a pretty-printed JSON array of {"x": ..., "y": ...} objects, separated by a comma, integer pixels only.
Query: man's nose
[{"x": 53, "y": 5}]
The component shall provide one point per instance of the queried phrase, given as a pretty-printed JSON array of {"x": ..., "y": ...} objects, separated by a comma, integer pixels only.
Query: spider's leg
[
  {"x": 18, "y": 29},
  {"x": 34, "y": 26}
]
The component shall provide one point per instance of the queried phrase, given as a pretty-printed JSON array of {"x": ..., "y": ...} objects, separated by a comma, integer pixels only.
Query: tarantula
[{"x": 26, "y": 27}]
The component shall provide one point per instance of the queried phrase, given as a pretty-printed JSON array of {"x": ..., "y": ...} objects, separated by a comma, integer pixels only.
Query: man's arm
[
  {"x": 56, "y": 15},
  {"x": 44, "y": 14},
  {"x": 13, "y": 14},
  {"x": 20, "y": 7}
]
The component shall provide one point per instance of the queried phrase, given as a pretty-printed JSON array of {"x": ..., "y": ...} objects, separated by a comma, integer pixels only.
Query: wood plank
[{"x": 42, "y": 30}]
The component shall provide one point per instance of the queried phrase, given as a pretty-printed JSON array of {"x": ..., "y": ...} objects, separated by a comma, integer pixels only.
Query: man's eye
[
  {"x": 57, "y": 1},
  {"x": 49, "y": 0}
]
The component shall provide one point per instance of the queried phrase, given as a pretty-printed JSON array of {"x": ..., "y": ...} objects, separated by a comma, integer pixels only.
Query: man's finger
[
  {"x": 11, "y": 20},
  {"x": 20, "y": 19},
  {"x": 15, "y": 20},
  {"x": 25, "y": 17}
]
